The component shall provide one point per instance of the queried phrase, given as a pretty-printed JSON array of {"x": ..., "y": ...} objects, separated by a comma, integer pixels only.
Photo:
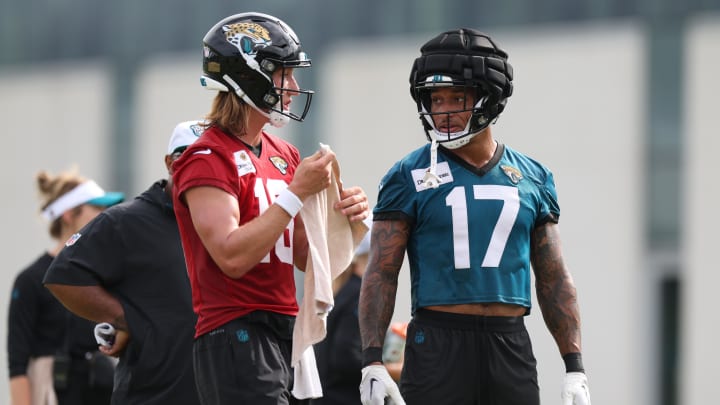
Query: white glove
[
  {"x": 575, "y": 389},
  {"x": 377, "y": 384},
  {"x": 105, "y": 334}
]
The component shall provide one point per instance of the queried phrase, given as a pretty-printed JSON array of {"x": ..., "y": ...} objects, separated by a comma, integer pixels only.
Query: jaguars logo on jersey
[
  {"x": 279, "y": 164},
  {"x": 513, "y": 174}
]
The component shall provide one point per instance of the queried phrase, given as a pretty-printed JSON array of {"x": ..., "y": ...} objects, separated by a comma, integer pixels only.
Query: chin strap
[
  {"x": 276, "y": 118},
  {"x": 431, "y": 180}
]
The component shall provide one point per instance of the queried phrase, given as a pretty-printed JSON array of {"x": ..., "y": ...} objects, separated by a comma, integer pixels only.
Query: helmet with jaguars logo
[
  {"x": 464, "y": 58},
  {"x": 241, "y": 53}
]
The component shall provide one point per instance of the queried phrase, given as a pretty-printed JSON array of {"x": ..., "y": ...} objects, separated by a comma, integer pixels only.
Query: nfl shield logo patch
[{"x": 71, "y": 240}]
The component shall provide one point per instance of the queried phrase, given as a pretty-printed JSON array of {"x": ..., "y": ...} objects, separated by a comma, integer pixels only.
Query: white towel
[
  {"x": 307, "y": 380},
  {"x": 332, "y": 240},
  {"x": 104, "y": 334}
]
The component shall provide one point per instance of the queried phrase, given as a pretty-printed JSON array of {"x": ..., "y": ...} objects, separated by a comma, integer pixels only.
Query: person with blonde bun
[{"x": 39, "y": 327}]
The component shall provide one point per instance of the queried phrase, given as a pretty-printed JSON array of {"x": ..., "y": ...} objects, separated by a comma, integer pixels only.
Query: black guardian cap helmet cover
[{"x": 462, "y": 58}]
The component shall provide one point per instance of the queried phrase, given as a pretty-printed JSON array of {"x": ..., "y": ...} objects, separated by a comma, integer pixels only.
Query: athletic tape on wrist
[
  {"x": 371, "y": 355},
  {"x": 288, "y": 201},
  {"x": 573, "y": 363}
]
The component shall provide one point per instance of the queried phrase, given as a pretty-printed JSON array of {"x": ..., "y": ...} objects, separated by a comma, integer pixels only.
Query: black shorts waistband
[
  {"x": 280, "y": 324},
  {"x": 469, "y": 322}
]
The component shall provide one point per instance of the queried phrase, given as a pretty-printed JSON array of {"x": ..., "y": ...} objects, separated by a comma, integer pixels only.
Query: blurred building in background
[{"x": 616, "y": 96}]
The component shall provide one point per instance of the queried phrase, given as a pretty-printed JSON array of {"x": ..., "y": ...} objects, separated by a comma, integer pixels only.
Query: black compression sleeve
[
  {"x": 371, "y": 355},
  {"x": 573, "y": 363}
]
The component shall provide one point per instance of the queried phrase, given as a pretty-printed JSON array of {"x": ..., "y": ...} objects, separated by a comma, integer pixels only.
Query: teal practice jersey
[{"x": 470, "y": 237}]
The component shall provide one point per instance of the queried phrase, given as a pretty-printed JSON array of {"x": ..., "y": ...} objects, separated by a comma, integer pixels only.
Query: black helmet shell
[{"x": 247, "y": 48}]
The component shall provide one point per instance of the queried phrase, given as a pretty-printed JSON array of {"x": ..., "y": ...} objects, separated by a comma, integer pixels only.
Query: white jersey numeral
[
  {"x": 458, "y": 204},
  {"x": 283, "y": 246}
]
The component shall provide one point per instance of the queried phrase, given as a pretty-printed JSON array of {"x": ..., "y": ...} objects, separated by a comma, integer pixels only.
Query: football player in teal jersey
[{"x": 474, "y": 217}]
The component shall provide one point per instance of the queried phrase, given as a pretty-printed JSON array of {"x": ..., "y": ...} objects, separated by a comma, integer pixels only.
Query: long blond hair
[
  {"x": 229, "y": 113},
  {"x": 50, "y": 188}
]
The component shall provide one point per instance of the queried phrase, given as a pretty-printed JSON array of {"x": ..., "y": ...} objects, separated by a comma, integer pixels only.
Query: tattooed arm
[
  {"x": 379, "y": 286},
  {"x": 555, "y": 288}
]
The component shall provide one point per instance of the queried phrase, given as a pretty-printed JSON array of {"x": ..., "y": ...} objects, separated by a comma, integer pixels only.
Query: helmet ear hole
[
  {"x": 271, "y": 99},
  {"x": 480, "y": 121},
  {"x": 268, "y": 66}
]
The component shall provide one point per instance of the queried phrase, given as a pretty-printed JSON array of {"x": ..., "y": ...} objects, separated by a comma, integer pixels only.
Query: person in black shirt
[
  {"x": 38, "y": 325},
  {"x": 128, "y": 270}
]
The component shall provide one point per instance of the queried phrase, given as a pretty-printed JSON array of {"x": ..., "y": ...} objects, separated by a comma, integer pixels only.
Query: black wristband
[
  {"x": 573, "y": 363},
  {"x": 371, "y": 355}
]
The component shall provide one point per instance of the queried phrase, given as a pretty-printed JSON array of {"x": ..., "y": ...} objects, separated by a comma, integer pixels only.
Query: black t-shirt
[
  {"x": 36, "y": 319},
  {"x": 39, "y": 325},
  {"x": 133, "y": 250}
]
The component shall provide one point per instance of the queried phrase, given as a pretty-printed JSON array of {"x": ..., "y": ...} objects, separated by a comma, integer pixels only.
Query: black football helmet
[
  {"x": 468, "y": 59},
  {"x": 241, "y": 53}
]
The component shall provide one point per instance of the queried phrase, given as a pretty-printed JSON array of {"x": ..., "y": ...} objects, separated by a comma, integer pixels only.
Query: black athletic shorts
[
  {"x": 246, "y": 361},
  {"x": 468, "y": 360}
]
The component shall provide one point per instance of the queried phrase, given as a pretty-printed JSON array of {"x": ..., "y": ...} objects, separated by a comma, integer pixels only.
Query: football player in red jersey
[{"x": 237, "y": 192}]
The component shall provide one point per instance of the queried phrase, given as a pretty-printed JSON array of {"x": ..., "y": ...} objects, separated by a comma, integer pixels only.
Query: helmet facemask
[
  {"x": 474, "y": 99},
  {"x": 277, "y": 96}
]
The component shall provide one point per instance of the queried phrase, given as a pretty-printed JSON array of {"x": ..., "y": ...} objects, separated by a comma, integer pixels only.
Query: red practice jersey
[{"x": 219, "y": 160}]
